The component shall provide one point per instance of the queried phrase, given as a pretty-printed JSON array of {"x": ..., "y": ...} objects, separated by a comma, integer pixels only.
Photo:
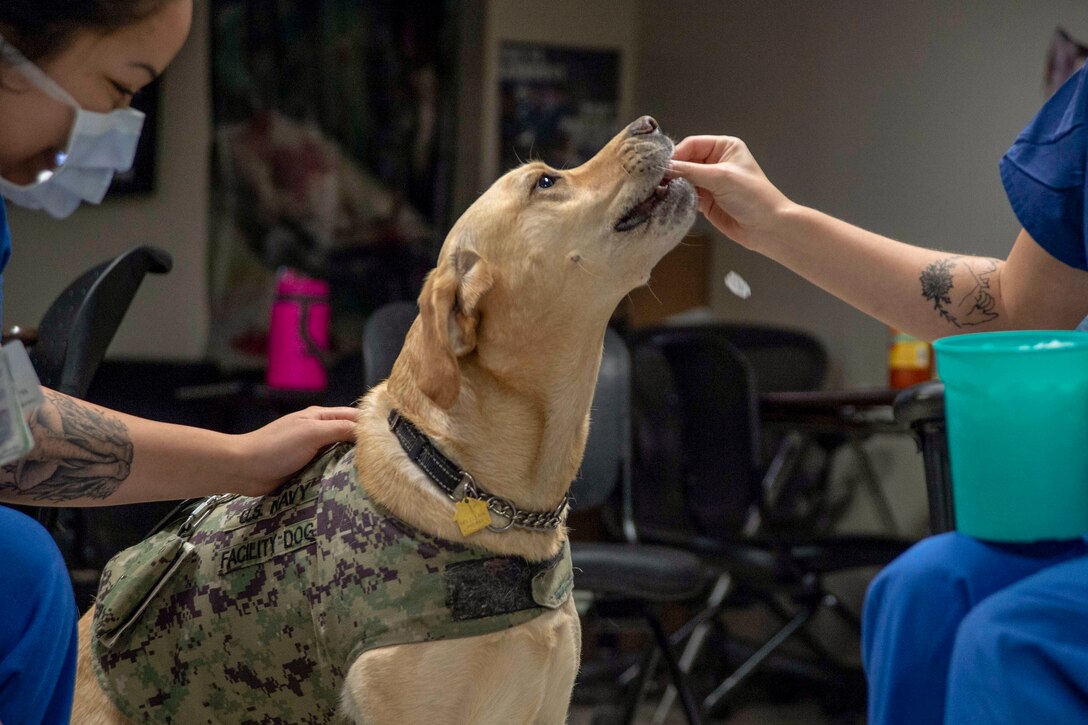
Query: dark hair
[{"x": 40, "y": 29}]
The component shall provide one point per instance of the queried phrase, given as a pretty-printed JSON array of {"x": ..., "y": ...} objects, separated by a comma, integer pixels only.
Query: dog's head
[{"x": 547, "y": 254}]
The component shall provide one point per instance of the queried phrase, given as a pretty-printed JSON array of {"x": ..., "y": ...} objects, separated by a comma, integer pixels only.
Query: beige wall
[{"x": 168, "y": 319}]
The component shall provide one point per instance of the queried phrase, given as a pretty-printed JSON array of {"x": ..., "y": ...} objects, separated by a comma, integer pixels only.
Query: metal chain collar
[{"x": 458, "y": 484}]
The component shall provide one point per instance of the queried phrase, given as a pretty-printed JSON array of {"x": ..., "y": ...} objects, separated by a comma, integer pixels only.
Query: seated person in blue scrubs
[
  {"x": 956, "y": 630},
  {"x": 68, "y": 71}
]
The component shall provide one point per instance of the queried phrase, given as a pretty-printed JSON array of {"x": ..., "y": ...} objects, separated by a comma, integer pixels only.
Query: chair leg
[
  {"x": 648, "y": 665},
  {"x": 694, "y": 646},
  {"x": 687, "y": 700},
  {"x": 872, "y": 485},
  {"x": 781, "y": 466},
  {"x": 708, "y": 614},
  {"x": 741, "y": 673},
  {"x": 806, "y": 638}
]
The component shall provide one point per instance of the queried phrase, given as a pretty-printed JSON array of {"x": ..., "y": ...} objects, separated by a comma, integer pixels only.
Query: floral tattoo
[{"x": 975, "y": 306}]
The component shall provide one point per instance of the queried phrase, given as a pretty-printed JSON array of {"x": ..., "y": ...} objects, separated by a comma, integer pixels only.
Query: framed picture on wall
[{"x": 558, "y": 104}]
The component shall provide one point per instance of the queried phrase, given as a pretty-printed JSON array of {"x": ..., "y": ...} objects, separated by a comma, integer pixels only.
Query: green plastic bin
[{"x": 1016, "y": 405}]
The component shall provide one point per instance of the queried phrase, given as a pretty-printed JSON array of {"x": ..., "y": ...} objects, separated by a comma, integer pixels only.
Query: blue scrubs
[
  {"x": 37, "y": 612},
  {"x": 961, "y": 631}
]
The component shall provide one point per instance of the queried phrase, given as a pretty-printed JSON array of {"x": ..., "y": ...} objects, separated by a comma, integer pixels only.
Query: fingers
[
  {"x": 334, "y": 431},
  {"x": 337, "y": 413},
  {"x": 696, "y": 148},
  {"x": 704, "y": 149},
  {"x": 706, "y": 200},
  {"x": 703, "y": 160},
  {"x": 699, "y": 174},
  {"x": 726, "y": 224}
]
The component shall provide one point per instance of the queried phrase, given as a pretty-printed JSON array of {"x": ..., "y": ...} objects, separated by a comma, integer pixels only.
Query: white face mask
[{"x": 99, "y": 145}]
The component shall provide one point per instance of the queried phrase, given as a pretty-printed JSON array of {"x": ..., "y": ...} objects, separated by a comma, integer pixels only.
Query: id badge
[{"x": 20, "y": 393}]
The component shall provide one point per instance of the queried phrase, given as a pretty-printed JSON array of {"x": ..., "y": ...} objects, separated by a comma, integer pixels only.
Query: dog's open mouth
[{"x": 641, "y": 212}]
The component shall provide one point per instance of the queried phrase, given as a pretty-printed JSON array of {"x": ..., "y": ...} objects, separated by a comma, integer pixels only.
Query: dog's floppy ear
[{"x": 449, "y": 313}]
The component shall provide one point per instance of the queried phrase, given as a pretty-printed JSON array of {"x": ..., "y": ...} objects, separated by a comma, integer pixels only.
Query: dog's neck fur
[{"x": 520, "y": 434}]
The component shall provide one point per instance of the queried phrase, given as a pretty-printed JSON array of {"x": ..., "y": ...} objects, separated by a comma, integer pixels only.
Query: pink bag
[{"x": 298, "y": 333}]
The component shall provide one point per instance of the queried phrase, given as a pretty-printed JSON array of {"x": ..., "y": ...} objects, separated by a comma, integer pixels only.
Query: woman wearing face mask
[{"x": 68, "y": 71}]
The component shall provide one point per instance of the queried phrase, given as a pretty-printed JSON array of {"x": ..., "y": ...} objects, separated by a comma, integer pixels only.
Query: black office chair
[
  {"x": 783, "y": 359},
  {"x": 697, "y": 482},
  {"x": 79, "y": 326},
  {"x": 383, "y": 337},
  {"x": 798, "y": 487},
  {"x": 66, "y": 350},
  {"x": 631, "y": 578}
]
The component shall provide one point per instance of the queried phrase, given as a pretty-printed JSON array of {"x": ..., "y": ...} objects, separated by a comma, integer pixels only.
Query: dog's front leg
[{"x": 91, "y": 706}]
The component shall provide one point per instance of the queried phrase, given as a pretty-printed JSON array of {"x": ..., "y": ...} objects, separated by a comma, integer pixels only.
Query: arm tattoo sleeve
[
  {"x": 973, "y": 305},
  {"x": 78, "y": 453}
]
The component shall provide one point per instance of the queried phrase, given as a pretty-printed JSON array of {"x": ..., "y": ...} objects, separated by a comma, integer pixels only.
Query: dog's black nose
[{"x": 643, "y": 126}]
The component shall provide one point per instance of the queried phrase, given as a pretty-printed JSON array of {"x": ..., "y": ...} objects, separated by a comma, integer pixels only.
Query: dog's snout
[{"x": 643, "y": 126}]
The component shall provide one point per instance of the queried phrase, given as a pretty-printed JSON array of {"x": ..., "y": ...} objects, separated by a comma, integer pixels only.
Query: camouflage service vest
[{"x": 253, "y": 612}]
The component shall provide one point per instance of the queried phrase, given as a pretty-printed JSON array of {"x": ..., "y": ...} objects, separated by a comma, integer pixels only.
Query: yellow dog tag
[{"x": 472, "y": 515}]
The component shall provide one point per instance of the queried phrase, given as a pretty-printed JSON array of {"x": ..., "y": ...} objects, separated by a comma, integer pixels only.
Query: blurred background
[{"x": 892, "y": 115}]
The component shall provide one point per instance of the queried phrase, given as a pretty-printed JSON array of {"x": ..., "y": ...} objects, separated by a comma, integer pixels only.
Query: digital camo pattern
[{"x": 261, "y": 621}]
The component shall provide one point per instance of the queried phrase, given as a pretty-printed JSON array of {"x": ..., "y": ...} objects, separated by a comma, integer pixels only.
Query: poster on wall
[
  {"x": 333, "y": 132},
  {"x": 558, "y": 105}
]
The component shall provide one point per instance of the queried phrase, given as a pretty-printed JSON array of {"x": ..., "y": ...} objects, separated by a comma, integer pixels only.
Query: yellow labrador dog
[{"x": 466, "y": 453}]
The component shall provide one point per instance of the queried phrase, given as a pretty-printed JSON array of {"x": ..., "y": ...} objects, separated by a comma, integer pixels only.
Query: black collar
[{"x": 458, "y": 484}]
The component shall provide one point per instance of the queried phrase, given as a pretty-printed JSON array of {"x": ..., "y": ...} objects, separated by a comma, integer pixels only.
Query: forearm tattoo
[
  {"x": 78, "y": 453},
  {"x": 972, "y": 305}
]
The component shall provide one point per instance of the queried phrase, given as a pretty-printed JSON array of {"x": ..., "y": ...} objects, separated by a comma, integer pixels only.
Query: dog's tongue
[{"x": 642, "y": 211}]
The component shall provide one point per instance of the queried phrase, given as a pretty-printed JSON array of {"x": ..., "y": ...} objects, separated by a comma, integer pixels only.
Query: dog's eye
[{"x": 546, "y": 181}]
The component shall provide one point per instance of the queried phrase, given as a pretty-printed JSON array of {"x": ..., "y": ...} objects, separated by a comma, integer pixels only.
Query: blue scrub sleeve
[{"x": 1043, "y": 174}]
